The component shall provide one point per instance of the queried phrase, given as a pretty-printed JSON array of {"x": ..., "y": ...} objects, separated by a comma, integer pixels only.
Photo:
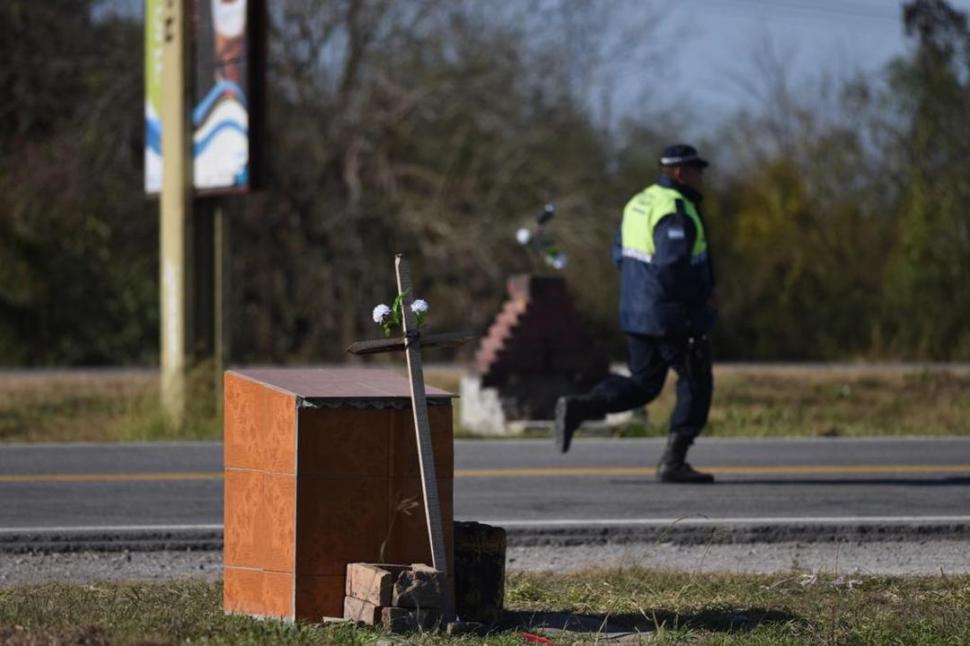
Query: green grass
[
  {"x": 761, "y": 402},
  {"x": 749, "y": 609},
  {"x": 670, "y": 607}
]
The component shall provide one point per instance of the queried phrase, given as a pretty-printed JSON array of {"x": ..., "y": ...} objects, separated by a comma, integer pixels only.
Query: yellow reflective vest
[{"x": 666, "y": 277}]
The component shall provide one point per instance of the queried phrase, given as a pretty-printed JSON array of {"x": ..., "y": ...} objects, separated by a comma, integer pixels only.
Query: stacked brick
[
  {"x": 537, "y": 349},
  {"x": 399, "y": 598}
]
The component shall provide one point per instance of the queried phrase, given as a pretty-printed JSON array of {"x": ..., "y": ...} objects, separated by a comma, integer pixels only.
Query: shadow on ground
[{"x": 630, "y": 624}]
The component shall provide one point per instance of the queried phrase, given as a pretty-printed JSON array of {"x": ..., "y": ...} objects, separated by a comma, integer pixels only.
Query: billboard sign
[{"x": 226, "y": 57}]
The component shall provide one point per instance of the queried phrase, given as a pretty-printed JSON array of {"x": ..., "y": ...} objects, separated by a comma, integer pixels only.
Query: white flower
[
  {"x": 381, "y": 312},
  {"x": 557, "y": 261},
  {"x": 523, "y": 235},
  {"x": 419, "y": 306}
]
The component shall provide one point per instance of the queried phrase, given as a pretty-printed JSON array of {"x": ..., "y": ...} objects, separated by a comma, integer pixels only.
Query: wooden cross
[{"x": 411, "y": 342}]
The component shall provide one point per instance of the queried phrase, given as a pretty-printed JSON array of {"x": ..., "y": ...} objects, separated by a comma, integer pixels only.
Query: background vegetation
[
  {"x": 752, "y": 401},
  {"x": 437, "y": 128}
]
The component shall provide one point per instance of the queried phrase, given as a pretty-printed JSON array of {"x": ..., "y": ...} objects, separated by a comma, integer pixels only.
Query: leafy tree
[
  {"x": 438, "y": 127},
  {"x": 928, "y": 301},
  {"x": 434, "y": 129},
  {"x": 76, "y": 238}
]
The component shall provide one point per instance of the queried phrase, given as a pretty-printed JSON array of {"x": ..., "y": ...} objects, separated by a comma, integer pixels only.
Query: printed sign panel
[
  {"x": 225, "y": 46},
  {"x": 153, "y": 95},
  {"x": 220, "y": 117}
]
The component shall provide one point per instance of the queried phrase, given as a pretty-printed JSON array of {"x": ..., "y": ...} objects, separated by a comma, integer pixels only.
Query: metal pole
[
  {"x": 203, "y": 309},
  {"x": 175, "y": 211},
  {"x": 220, "y": 297}
]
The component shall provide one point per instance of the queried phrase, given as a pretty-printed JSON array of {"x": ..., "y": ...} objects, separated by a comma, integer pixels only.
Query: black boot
[
  {"x": 673, "y": 468},
  {"x": 571, "y": 411}
]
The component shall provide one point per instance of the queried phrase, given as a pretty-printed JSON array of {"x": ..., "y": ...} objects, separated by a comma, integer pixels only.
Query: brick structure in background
[
  {"x": 319, "y": 466},
  {"x": 535, "y": 351}
]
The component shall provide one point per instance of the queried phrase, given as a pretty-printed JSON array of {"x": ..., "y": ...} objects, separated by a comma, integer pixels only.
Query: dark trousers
[{"x": 649, "y": 360}]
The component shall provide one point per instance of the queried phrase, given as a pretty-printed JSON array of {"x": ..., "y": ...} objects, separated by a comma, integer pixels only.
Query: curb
[
  {"x": 107, "y": 540},
  {"x": 713, "y": 532},
  {"x": 686, "y": 532}
]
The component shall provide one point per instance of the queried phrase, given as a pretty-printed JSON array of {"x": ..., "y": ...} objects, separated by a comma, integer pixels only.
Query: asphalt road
[{"x": 521, "y": 483}]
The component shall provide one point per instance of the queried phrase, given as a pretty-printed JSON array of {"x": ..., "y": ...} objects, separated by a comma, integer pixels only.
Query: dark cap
[{"x": 682, "y": 155}]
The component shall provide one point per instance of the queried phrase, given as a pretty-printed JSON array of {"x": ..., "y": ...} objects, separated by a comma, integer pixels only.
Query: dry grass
[
  {"x": 89, "y": 405},
  {"x": 826, "y": 401},
  {"x": 756, "y": 401},
  {"x": 899, "y": 403}
]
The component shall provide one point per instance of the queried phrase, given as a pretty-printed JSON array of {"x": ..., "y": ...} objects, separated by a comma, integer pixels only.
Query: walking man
[{"x": 667, "y": 309}]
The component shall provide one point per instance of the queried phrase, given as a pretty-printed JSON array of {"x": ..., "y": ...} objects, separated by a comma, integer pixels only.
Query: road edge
[{"x": 693, "y": 532}]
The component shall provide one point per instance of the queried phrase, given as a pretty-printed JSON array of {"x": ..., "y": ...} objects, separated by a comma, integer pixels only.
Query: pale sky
[
  {"x": 718, "y": 42},
  {"x": 837, "y": 37}
]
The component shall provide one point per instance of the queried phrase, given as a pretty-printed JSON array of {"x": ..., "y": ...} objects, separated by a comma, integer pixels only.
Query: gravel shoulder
[
  {"x": 888, "y": 557},
  {"x": 88, "y": 567},
  {"x": 882, "y": 558}
]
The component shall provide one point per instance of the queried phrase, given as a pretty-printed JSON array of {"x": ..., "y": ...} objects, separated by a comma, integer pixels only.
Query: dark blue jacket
[{"x": 670, "y": 295}]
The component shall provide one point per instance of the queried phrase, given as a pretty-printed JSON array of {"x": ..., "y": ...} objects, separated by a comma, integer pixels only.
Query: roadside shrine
[{"x": 326, "y": 467}]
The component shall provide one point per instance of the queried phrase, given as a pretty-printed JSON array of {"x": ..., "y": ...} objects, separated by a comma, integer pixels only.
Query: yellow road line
[
  {"x": 860, "y": 469},
  {"x": 848, "y": 469},
  {"x": 543, "y": 472},
  {"x": 111, "y": 477}
]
